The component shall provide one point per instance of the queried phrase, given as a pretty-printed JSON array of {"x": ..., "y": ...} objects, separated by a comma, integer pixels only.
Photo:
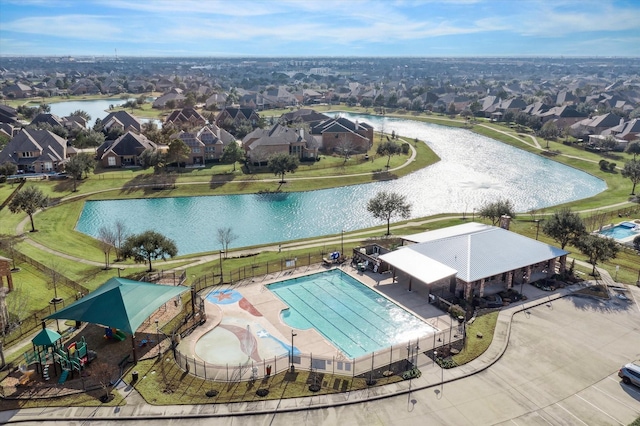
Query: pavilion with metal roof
[{"x": 472, "y": 256}]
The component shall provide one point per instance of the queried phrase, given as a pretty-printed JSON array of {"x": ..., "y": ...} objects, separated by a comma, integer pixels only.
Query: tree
[
  {"x": 389, "y": 148},
  {"x": 107, "y": 238},
  {"x": 386, "y": 205},
  {"x": 631, "y": 170},
  {"x": 7, "y": 169},
  {"x": 597, "y": 249},
  {"x": 152, "y": 158},
  {"x": 280, "y": 164},
  {"x": 345, "y": 147},
  {"x": 148, "y": 246},
  {"x": 636, "y": 243},
  {"x": 366, "y": 103},
  {"x": 179, "y": 152},
  {"x": 633, "y": 148},
  {"x": 225, "y": 237},
  {"x": 564, "y": 226},
  {"x": 78, "y": 165},
  {"x": 232, "y": 153},
  {"x": 494, "y": 210},
  {"x": 121, "y": 233},
  {"x": 451, "y": 109},
  {"x": 29, "y": 200},
  {"x": 549, "y": 131},
  {"x": 81, "y": 113}
]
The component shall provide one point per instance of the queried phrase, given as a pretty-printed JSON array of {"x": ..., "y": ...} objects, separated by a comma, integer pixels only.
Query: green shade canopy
[
  {"x": 120, "y": 303},
  {"x": 46, "y": 338}
]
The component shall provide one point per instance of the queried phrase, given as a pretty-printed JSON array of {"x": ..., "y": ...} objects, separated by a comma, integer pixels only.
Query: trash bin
[{"x": 134, "y": 376}]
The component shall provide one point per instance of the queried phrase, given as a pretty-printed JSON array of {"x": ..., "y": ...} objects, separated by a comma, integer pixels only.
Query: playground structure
[
  {"x": 114, "y": 334},
  {"x": 48, "y": 351}
]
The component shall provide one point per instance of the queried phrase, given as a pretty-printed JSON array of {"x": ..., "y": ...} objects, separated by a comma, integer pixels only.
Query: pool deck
[
  {"x": 626, "y": 240},
  {"x": 308, "y": 341}
]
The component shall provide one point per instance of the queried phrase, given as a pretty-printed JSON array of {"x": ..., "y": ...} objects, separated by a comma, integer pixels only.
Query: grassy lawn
[
  {"x": 475, "y": 346},
  {"x": 163, "y": 382}
]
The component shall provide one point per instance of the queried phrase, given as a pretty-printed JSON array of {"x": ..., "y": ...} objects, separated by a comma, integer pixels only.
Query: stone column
[
  {"x": 510, "y": 279},
  {"x": 563, "y": 263},
  {"x": 552, "y": 267},
  {"x": 482, "y": 281},
  {"x": 527, "y": 274}
]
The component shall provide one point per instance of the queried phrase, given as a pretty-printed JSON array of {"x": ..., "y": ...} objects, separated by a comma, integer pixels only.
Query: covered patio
[{"x": 474, "y": 259}]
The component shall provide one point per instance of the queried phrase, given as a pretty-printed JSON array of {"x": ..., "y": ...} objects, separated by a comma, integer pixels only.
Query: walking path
[{"x": 137, "y": 409}]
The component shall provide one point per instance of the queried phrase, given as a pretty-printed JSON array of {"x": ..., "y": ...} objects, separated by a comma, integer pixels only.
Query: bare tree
[
  {"x": 121, "y": 233},
  {"x": 345, "y": 147},
  {"x": 103, "y": 372},
  {"x": 225, "y": 238},
  {"x": 55, "y": 276},
  {"x": 107, "y": 238}
]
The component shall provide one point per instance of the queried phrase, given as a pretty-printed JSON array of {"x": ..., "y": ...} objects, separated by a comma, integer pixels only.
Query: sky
[{"x": 321, "y": 28}]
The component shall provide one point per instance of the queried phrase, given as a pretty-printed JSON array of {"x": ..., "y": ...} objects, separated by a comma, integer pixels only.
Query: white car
[{"x": 630, "y": 374}]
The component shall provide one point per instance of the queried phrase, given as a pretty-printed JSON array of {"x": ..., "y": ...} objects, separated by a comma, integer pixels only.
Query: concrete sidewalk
[{"x": 432, "y": 376}]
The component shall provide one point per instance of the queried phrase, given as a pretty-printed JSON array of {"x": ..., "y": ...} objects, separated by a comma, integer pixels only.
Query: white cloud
[{"x": 86, "y": 27}]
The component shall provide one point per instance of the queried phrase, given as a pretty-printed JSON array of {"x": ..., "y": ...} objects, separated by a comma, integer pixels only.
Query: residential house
[
  {"x": 536, "y": 108},
  {"x": 8, "y": 114},
  {"x": 237, "y": 115},
  {"x": 260, "y": 144},
  {"x": 18, "y": 90},
  {"x": 45, "y": 118},
  {"x": 188, "y": 117},
  {"x": 123, "y": 120},
  {"x": 8, "y": 130},
  {"x": 206, "y": 144},
  {"x": 565, "y": 97},
  {"x": 35, "y": 151},
  {"x": 84, "y": 86},
  {"x": 595, "y": 125},
  {"x": 216, "y": 101},
  {"x": 473, "y": 259},
  {"x": 563, "y": 116},
  {"x": 174, "y": 95},
  {"x": 628, "y": 130},
  {"x": 215, "y": 140},
  {"x": 125, "y": 150},
  {"x": 340, "y": 133},
  {"x": 303, "y": 116}
]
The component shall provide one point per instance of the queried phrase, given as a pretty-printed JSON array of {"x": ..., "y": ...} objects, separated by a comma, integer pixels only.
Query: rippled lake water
[{"x": 473, "y": 169}]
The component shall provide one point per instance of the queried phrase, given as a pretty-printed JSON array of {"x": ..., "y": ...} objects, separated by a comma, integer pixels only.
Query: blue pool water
[
  {"x": 621, "y": 231},
  {"x": 355, "y": 318}
]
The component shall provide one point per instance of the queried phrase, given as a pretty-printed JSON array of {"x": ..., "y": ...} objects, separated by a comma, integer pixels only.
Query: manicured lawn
[{"x": 476, "y": 346}]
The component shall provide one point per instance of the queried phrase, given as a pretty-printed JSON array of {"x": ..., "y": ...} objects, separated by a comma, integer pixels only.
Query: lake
[{"x": 473, "y": 170}]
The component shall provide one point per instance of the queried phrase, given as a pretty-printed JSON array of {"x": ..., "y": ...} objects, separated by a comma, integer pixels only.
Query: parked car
[{"x": 630, "y": 374}]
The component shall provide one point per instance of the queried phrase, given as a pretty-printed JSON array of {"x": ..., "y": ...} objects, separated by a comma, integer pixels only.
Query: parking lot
[{"x": 560, "y": 368}]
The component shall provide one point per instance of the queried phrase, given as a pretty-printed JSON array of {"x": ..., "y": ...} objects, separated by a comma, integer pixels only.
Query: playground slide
[
  {"x": 119, "y": 335},
  {"x": 63, "y": 376}
]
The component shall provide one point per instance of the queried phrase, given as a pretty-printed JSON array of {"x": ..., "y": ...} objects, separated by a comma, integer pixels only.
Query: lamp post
[
  {"x": 158, "y": 337},
  {"x": 221, "y": 251},
  {"x": 342, "y": 243},
  {"x": 616, "y": 277},
  {"x": 292, "y": 368},
  {"x": 537, "y": 227}
]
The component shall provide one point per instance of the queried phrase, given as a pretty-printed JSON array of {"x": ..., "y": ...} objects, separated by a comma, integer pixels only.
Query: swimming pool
[
  {"x": 355, "y": 318},
  {"x": 621, "y": 231}
]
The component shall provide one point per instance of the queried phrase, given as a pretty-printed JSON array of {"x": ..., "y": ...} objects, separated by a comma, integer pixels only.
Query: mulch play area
[{"x": 111, "y": 354}]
